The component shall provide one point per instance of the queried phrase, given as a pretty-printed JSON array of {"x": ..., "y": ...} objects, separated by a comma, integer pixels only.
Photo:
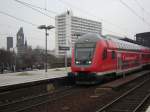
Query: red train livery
[{"x": 94, "y": 56}]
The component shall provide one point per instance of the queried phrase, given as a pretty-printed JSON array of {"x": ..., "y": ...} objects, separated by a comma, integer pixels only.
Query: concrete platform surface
[
  {"x": 29, "y": 76},
  {"x": 122, "y": 81}
]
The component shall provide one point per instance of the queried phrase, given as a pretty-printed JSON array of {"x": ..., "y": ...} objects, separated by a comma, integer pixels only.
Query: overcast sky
[{"x": 118, "y": 17}]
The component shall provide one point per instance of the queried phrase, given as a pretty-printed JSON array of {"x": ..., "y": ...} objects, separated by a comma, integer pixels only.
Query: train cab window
[
  {"x": 105, "y": 54},
  {"x": 113, "y": 54}
]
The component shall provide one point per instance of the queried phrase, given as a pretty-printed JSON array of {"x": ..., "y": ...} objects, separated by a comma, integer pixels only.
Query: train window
[
  {"x": 105, "y": 54},
  {"x": 113, "y": 55}
]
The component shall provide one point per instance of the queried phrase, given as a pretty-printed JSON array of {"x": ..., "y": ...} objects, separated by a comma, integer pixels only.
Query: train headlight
[
  {"x": 77, "y": 62},
  {"x": 89, "y": 62}
]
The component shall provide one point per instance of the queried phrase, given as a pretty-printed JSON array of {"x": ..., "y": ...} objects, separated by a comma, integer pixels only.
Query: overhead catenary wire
[
  {"x": 30, "y": 6},
  {"x": 34, "y": 6},
  {"x": 134, "y": 12},
  {"x": 45, "y": 9},
  {"x": 87, "y": 12},
  {"x": 18, "y": 19},
  {"x": 142, "y": 8}
]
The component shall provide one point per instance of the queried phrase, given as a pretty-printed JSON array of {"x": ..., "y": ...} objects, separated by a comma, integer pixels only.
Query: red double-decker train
[{"x": 94, "y": 57}]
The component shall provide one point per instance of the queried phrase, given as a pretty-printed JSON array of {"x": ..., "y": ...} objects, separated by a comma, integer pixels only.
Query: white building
[{"x": 69, "y": 28}]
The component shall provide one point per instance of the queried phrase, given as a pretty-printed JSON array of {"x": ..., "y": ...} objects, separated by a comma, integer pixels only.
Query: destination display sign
[{"x": 64, "y": 48}]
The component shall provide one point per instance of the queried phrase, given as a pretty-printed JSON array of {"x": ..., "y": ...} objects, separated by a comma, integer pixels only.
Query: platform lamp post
[{"x": 46, "y": 34}]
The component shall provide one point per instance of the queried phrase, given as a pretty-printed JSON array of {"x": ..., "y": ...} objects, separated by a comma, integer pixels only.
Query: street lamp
[{"x": 46, "y": 34}]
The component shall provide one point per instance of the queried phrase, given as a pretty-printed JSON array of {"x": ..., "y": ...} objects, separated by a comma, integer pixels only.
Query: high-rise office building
[
  {"x": 69, "y": 28},
  {"x": 9, "y": 43}
]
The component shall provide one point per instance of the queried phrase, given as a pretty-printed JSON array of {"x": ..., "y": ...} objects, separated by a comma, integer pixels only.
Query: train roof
[
  {"x": 120, "y": 44},
  {"x": 128, "y": 46},
  {"x": 89, "y": 37}
]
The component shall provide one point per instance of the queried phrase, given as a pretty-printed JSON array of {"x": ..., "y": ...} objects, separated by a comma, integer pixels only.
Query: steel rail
[
  {"x": 64, "y": 91},
  {"x": 142, "y": 103},
  {"x": 122, "y": 96}
]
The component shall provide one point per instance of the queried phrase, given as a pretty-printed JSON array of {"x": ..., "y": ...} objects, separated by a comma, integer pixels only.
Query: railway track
[
  {"x": 144, "y": 106},
  {"x": 43, "y": 100},
  {"x": 130, "y": 101},
  {"x": 27, "y": 103}
]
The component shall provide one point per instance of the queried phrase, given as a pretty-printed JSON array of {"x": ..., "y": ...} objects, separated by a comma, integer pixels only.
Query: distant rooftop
[{"x": 143, "y": 35}]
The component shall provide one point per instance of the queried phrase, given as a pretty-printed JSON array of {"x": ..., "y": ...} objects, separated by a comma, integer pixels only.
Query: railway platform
[
  {"x": 120, "y": 82},
  {"x": 31, "y": 76}
]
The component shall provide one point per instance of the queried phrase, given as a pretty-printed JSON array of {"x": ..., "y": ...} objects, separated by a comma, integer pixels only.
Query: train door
[{"x": 119, "y": 63}]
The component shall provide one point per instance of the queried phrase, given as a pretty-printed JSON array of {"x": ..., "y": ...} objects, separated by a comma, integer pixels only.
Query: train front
[{"x": 83, "y": 64}]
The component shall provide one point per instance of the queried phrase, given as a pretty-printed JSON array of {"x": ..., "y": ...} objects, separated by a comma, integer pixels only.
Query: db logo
[{"x": 82, "y": 69}]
